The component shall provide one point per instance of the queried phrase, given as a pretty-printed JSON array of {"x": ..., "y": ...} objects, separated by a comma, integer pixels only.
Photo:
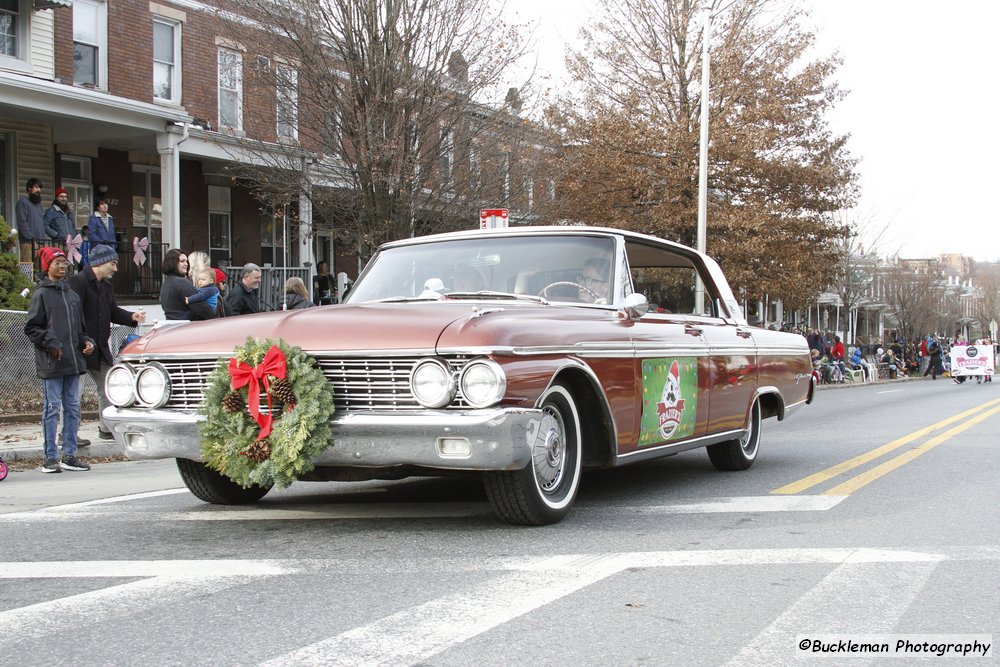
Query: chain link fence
[{"x": 20, "y": 388}]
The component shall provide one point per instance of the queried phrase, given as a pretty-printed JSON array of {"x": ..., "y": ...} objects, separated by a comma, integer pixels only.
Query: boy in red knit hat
[{"x": 55, "y": 327}]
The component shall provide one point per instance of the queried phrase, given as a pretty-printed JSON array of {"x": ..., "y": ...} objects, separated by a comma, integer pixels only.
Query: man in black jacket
[
  {"x": 55, "y": 327},
  {"x": 243, "y": 299},
  {"x": 100, "y": 309}
]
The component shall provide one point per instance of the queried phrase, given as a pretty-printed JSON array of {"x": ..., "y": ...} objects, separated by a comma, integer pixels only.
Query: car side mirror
[{"x": 635, "y": 306}]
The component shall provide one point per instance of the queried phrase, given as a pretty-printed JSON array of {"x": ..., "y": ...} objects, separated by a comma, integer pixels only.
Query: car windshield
[{"x": 567, "y": 268}]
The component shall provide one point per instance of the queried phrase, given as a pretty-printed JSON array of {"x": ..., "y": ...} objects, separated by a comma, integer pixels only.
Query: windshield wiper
[{"x": 500, "y": 296}]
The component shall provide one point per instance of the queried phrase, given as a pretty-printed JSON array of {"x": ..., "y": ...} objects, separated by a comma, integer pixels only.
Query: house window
[
  {"x": 332, "y": 135},
  {"x": 447, "y": 157},
  {"x": 505, "y": 177},
  {"x": 288, "y": 102},
  {"x": 147, "y": 203},
  {"x": 475, "y": 169},
  {"x": 272, "y": 236},
  {"x": 220, "y": 224},
  {"x": 166, "y": 60},
  {"x": 230, "y": 89},
  {"x": 10, "y": 19},
  {"x": 90, "y": 36},
  {"x": 5, "y": 170},
  {"x": 76, "y": 179}
]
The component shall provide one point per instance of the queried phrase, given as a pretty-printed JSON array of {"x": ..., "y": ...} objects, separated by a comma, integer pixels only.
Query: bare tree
[
  {"x": 776, "y": 170},
  {"x": 916, "y": 301},
  {"x": 987, "y": 280},
  {"x": 855, "y": 267},
  {"x": 400, "y": 102}
]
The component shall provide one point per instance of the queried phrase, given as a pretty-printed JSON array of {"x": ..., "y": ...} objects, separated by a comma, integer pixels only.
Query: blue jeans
[{"x": 63, "y": 391}]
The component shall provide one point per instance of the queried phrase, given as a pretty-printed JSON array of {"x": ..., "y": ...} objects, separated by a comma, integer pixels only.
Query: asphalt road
[{"x": 872, "y": 514}]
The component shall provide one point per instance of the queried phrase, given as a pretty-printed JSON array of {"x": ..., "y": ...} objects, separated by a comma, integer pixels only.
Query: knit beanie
[
  {"x": 220, "y": 276},
  {"x": 102, "y": 254},
  {"x": 47, "y": 254}
]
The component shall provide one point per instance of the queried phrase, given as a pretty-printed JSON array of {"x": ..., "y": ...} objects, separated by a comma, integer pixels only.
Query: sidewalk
[
  {"x": 847, "y": 383},
  {"x": 24, "y": 441}
]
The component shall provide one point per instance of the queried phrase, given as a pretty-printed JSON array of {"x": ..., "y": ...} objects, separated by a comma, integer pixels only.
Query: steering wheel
[{"x": 586, "y": 289}]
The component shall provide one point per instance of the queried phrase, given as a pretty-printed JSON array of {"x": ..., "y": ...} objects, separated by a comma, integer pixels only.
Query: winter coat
[
  {"x": 242, "y": 301},
  {"x": 172, "y": 293},
  {"x": 296, "y": 302},
  {"x": 55, "y": 322},
  {"x": 98, "y": 232},
  {"x": 30, "y": 221},
  {"x": 100, "y": 309},
  {"x": 59, "y": 224}
]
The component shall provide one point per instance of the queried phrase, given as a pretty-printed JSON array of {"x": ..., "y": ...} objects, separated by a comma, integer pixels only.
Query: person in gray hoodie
[{"x": 55, "y": 326}]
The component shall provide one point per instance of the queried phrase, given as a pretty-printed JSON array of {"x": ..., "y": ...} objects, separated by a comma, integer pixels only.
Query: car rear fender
[{"x": 772, "y": 404}]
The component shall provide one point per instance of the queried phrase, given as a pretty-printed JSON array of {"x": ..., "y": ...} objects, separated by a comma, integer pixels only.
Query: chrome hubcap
[{"x": 548, "y": 454}]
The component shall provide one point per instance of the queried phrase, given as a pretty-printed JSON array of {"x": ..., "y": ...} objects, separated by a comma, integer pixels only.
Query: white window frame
[
  {"x": 102, "y": 40},
  {"x": 175, "y": 66},
  {"x": 220, "y": 204},
  {"x": 19, "y": 60},
  {"x": 446, "y": 162},
  {"x": 475, "y": 168},
  {"x": 505, "y": 172},
  {"x": 286, "y": 105},
  {"x": 238, "y": 90}
]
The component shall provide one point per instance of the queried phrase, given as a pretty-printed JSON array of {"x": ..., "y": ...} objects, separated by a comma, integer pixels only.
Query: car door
[
  {"x": 733, "y": 364},
  {"x": 672, "y": 369}
]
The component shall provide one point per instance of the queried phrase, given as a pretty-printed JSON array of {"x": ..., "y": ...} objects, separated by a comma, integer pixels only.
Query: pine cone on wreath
[
  {"x": 233, "y": 403},
  {"x": 258, "y": 451},
  {"x": 281, "y": 389}
]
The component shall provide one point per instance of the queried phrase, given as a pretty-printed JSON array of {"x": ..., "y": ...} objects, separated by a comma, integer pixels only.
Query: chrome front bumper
[{"x": 498, "y": 437}]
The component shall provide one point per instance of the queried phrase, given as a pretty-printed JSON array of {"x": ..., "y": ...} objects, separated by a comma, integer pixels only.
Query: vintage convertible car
[{"x": 521, "y": 354}]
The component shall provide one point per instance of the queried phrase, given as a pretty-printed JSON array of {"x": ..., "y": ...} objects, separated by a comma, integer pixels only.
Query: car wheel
[
  {"x": 739, "y": 454},
  {"x": 213, "y": 487},
  {"x": 543, "y": 491}
]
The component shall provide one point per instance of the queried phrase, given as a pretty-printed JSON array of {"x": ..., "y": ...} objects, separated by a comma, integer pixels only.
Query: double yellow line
[{"x": 869, "y": 476}]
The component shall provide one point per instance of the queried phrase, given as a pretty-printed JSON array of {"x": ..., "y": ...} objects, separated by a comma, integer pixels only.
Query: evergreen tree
[{"x": 12, "y": 281}]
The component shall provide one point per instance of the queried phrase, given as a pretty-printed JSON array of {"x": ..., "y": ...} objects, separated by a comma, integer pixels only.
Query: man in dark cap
[
  {"x": 55, "y": 326},
  {"x": 59, "y": 218},
  {"x": 100, "y": 309}
]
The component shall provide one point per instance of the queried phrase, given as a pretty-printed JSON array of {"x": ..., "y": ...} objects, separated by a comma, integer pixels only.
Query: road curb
[{"x": 101, "y": 449}]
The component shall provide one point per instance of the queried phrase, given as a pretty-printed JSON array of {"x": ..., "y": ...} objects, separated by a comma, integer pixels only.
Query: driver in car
[{"x": 593, "y": 281}]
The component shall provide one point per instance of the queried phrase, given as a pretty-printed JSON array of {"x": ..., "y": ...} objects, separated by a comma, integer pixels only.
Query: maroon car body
[{"x": 445, "y": 358}]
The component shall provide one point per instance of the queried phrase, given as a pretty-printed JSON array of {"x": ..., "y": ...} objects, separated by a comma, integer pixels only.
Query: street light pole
[{"x": 703, "y": 157}]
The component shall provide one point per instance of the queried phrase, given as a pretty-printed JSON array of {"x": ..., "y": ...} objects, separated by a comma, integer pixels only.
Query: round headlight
[
  {"x": 483, "y": 383},
  {"x": 152, "y": 385},
  {"x": 432, "y": 383},
  {"x": 119, "y": 386}
]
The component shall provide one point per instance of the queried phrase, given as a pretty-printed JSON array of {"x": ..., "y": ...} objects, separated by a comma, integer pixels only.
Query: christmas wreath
[{"x": 271, "y": 443}]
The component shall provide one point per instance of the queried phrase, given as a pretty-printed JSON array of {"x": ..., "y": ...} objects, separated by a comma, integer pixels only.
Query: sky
[{"x": 922, "y": 112}]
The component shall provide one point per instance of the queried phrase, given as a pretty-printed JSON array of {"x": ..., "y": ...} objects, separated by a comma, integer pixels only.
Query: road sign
[{"x": 493, "y": 218}]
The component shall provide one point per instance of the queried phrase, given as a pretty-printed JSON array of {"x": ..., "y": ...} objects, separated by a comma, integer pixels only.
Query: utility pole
[{"x": 703, "y": 157}]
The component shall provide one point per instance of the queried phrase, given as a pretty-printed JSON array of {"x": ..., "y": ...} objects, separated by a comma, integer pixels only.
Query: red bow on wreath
[{"x": 242, "y": 374}]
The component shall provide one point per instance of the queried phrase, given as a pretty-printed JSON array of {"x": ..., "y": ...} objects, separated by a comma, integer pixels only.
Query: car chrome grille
[{"x": 359, "y": 384}]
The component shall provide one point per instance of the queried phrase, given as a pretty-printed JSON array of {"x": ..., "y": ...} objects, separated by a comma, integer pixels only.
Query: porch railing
[{"x": 142, "y": 282}]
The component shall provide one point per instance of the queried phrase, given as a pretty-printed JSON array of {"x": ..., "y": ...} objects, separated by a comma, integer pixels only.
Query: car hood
[{"x": 418, "y": 327}]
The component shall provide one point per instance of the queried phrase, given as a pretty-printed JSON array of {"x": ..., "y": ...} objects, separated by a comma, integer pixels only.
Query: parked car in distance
[{"x": 523, "y": 355}]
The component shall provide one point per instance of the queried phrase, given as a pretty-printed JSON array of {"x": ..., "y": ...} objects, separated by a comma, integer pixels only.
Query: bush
[{"x": 12, "y": 281}]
